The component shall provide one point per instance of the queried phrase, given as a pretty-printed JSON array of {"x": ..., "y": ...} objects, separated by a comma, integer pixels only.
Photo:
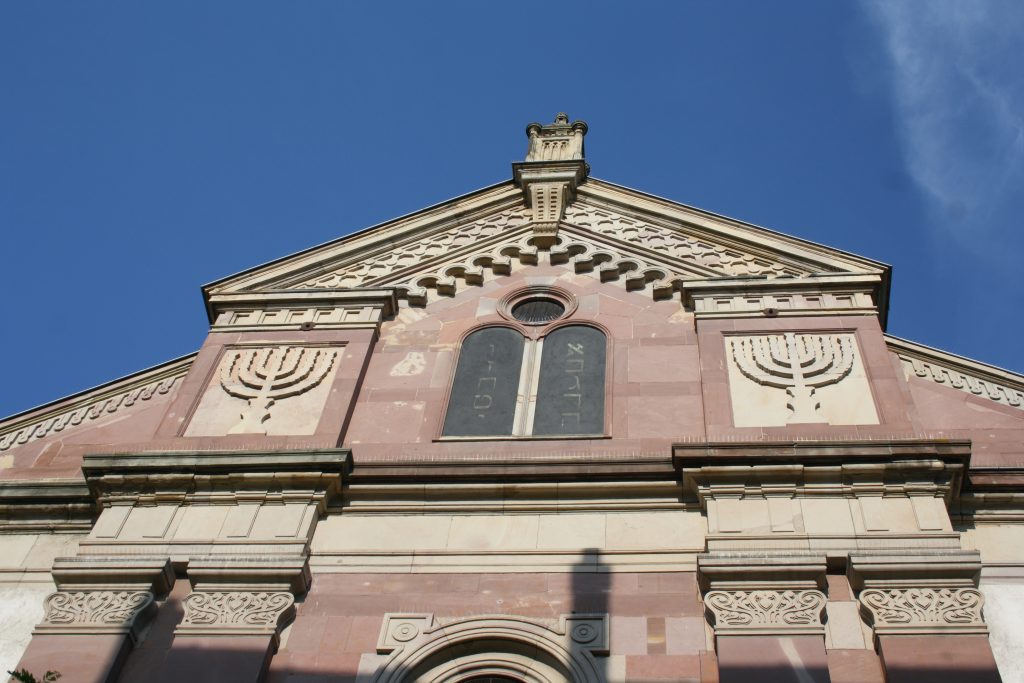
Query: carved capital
[
  {"x": 236, "y": 612},
  {"x": 95, "y": 612},
  {"x": 914, "y": 611},
  {"x": 766, "y": 612}
]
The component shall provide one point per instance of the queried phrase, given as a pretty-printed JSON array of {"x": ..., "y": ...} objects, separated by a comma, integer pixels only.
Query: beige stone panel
[
  {"x": 931, "y": 513},
  {"x": 240, "y": 520},
  {"x": 615, "y": 670},
  {"x": 1004, "y": 614},
  {"x": 493, "y": 532},
  {"x": 654, "y": 530},
  {"x": 382, "y": 532},
  {"x": 849, "y": 402},
  {"x": 567, "y": 530},
  {"x": 15, "y": 549},
  {"x": 843, "y": 630},
  {"x": 872, "y": 512},
  {"x": 783, "y": 512},
  {"x": 827, "y": 516},
  {"x": 110, "y": 521},
  {"x": 746, "y": 515},
  {"x": 21, "y": 608},
  {"x": 49, "y": 546},
  {"x": 278, "y": 521},
  {"x": 219, "y": 412},
  {"x": 148, "y": 522},
  {"x": 201, "y": 522},
  {"x": 996, "y": 543},
  {"x": 900, "y": 514}
]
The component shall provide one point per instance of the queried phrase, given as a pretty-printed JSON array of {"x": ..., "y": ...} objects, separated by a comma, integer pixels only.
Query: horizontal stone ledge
[
  {"x": 232, "y": 462},
  {"x": 685, "y": 455},
  {"x": 495, "y": 468}
]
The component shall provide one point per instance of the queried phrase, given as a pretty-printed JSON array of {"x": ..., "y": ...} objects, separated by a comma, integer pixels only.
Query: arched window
[{"x": 507, "y": 385}]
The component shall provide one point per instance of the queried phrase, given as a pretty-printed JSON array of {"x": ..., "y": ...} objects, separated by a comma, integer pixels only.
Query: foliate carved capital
[
  {"x": 95, "y": 612},
  {"x": 787, "y": 612},
  {"x": 236, "y": 612},
  {"x": 914, "y": 611}
]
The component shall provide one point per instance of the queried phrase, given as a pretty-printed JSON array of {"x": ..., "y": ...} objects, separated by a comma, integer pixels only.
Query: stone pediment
[{"x": 616, "y": 234}]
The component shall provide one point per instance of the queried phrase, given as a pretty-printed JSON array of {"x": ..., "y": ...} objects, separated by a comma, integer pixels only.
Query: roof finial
[
  {"x": 558, "y": 141},
  {"x": 553, "y": 169}
]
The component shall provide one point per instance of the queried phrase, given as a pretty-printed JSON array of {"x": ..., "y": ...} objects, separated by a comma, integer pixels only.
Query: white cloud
[{"x": 958, "y": 88}]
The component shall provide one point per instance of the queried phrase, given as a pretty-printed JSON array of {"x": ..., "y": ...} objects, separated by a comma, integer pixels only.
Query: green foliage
[{"x": 23, "y": 676}]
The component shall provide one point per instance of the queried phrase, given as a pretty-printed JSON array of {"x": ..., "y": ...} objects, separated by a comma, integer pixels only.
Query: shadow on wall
[{"x": 590, "y": 584}]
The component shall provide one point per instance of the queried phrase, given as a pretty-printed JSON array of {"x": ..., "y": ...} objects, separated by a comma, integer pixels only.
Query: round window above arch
[{"x": 537, "y": 305}]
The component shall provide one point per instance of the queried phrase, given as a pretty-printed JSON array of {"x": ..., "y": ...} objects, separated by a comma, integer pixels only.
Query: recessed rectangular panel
[
  {"x": 570, "y": 395},
  {"x": 483, "y": 398}
]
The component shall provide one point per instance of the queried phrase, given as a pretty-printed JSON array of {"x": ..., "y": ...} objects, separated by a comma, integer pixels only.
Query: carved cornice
[
  {"x": 746, "y": 571},
  {"x": 842, "y": 468},
  {"x": 922, "y": 611},
  {"x": 50, "y": 505},
  {"x": 95, "y": 572},
  {"x": 810, "y": 295},
  {"x": 93, "y": 404},
  {"x": 217, "y": 476},
  {"x": 321, "y": 309},
  {"x": 914, "y": 569},
  {"x": 992, "y": 495},
  {"x": 965, "y": 375},
  {"x": 95, "y": 612},
  {"x": 766, "y": 612}
]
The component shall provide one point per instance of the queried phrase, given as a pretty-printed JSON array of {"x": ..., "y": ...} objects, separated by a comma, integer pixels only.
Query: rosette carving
[
  {"x": 100, "y": 608},
  {"x": 923, "y": 608},
  {"x": 236, "y": 609},
  {"x": 766, "y": 610}
]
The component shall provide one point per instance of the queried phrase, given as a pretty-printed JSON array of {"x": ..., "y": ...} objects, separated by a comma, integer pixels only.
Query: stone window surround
[{"x": 532, "y": 334}]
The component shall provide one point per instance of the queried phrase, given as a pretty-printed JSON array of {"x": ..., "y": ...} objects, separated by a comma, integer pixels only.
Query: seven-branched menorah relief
[
  {"x": 798, "y": 363},
  {"x": 266, "y": 375}
]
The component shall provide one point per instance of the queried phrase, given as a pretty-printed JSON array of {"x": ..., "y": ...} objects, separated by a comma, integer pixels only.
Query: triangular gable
[{"x": 614, "y": 232}]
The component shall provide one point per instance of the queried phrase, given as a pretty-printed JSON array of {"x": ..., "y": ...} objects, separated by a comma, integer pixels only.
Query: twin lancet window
[{"x": 508, "y": 385}]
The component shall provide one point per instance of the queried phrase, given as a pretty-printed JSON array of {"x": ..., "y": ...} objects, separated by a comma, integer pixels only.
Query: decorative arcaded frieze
[
  {"x": 675, "y": 243},
  {"x": 789, "y": 612},
  {"x": 399, "y": 260},
  {"x": 94, "y": 612},
  {"x": 239, "y": 611},
  {"x": 962, "y": 374},
  {"x": 94, "y": 405},
  {"x": 923, "y": 610}
]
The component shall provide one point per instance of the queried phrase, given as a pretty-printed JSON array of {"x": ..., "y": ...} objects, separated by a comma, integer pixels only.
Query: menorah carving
[
  {"x": 798, "y": 363},
  {"x": 266, "y": 375}
]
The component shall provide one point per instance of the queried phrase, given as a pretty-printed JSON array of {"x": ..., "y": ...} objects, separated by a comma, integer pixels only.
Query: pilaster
[
  {"x": 766, "y": 610},
  {"x": 926, "y": 613},
  {"x": 99, "y": 612}
]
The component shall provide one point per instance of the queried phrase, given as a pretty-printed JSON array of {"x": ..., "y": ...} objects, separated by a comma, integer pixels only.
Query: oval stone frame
[{"x": 513, "y": 299}]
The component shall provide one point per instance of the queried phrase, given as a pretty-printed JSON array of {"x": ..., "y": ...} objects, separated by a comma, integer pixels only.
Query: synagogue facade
[{"x": 552, "y": 430}]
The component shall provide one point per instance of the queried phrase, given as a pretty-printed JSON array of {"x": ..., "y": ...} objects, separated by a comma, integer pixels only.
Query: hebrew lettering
[
  {"x": 570, "y": 394},
  {"x": 484, "y": 393}
]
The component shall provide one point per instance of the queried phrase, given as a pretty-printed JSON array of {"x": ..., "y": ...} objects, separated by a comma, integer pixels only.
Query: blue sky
[{"x": 148, "y": 148}]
